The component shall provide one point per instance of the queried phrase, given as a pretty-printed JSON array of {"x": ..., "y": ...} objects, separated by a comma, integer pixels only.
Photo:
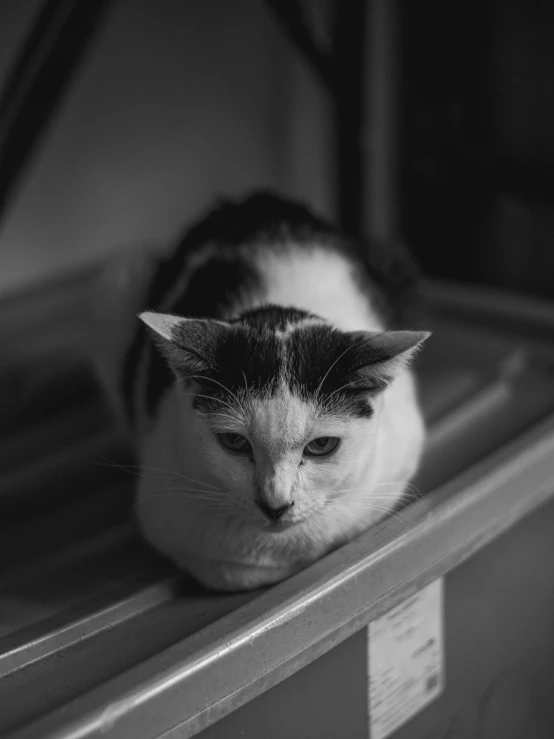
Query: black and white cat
[{"x": 270, "y": 399}]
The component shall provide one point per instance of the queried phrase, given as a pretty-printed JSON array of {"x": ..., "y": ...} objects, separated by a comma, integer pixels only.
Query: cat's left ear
[
  {"x": 378, "y": 357},
  {"x": 163, "y": 324},
  {"x": 188, "y": 344}
]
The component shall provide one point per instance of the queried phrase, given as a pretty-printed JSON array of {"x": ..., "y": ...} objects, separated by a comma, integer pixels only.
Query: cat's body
[{"x": 289, "y": 421}]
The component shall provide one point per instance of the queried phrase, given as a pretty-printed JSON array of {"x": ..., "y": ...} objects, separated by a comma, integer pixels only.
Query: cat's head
[{"x": 286, "y": 405}]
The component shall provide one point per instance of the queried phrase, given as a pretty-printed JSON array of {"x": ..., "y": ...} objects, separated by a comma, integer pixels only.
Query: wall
[{"x": 176, "y": 103}]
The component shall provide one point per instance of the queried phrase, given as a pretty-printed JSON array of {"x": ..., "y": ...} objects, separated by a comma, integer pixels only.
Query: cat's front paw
[{"x": 231, "y": 576}]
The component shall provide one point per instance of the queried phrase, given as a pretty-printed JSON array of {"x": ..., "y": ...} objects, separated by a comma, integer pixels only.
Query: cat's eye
[
  {"x": 234, "y": 442},
  {"x": 322, "y": 446}
]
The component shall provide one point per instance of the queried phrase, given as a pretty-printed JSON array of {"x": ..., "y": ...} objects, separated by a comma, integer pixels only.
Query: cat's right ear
[{"x": 188, "y": 344}]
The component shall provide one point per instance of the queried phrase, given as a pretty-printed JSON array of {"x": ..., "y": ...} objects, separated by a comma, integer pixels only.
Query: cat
[{"x": 267, "y": 385}]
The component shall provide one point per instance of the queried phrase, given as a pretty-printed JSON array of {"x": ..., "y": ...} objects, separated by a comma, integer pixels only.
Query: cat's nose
[{"x": 274, "y": 513}]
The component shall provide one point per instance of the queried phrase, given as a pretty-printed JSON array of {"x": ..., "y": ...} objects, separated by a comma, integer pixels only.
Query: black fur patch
[
  {"x": 317, "y": 362},
  {"x": 383, "y": 271}
]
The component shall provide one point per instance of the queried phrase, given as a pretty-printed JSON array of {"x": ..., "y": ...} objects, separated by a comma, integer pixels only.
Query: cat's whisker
[
  {"x": 216, "y": 382},
  {"x": 131, "y": 469},
  {"x": 362, "y": 489},
  {"x": 390, "y": 482},
  {"x": 409, "y": 485},
  {"x": 213, "y": 502},
  {"x": 197, "y": 481},
  {"x": 215, "y": 511},
  {"x": 179, "y": 494},
  {"x": 387, "y": 510},
  {"x": 374, "y": 496},
  {"x": 233, "y": 409},
  {"x": 348, "y": 384},
  {"x": 391, "y": 503},
  {"x": 380, "y": 496},
  {"x": 348, "y": 348},
  {"x": 245, "y": 382},
  {"x": 239, "y": 404},
  {"x": 370, "y": 494},
  {"x": 194, "y": 493},
  {"x": 178, "y": 485},
  {"x": 167, "y": 478}
]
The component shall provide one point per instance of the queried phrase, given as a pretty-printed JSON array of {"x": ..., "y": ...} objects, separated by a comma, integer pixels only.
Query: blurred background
[
  {"x": 170, "y": 104},
  {"x": 429, "y": 121}
]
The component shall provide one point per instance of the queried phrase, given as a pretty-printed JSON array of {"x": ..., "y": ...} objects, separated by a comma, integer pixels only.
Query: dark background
[
  {"x": 478, "y": 140},
  {"x": 429, "y": 121}
]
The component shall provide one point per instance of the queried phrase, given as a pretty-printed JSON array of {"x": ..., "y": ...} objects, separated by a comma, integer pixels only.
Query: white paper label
[{"x": 406, "y": 660}]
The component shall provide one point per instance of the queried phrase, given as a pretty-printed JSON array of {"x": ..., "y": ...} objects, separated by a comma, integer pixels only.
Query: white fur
[
  {"x": 319, "y": 281},
  {"x": 196, "y": 500}
]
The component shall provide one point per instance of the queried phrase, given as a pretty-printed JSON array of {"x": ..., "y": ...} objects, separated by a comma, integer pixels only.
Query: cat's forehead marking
[
  {"x": 271, "y": 347},
  {"x": 281, "y": 420},
  {"x": 286, "y": 332},
  {"x": 262, "y": 356}
]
